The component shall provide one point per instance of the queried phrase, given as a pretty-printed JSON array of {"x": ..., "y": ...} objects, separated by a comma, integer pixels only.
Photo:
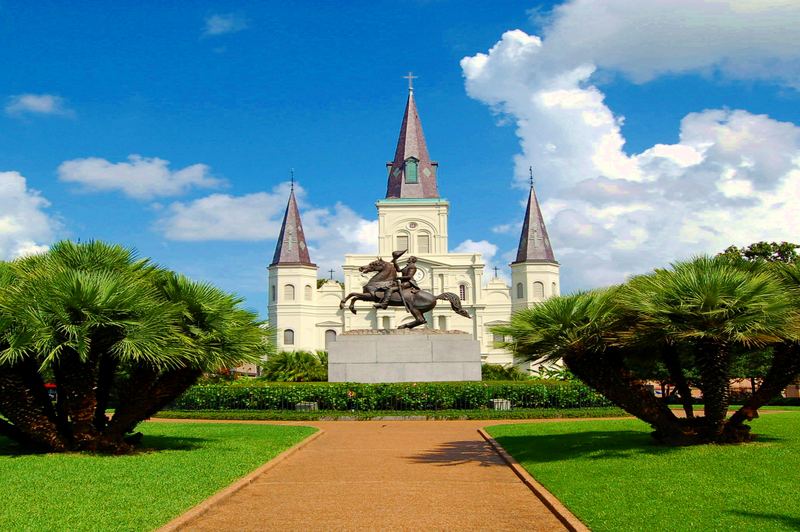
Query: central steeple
[{"x": 412, "y": 174}]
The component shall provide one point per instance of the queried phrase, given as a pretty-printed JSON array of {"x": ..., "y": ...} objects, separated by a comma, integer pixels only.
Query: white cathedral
[{"x": 412, "y": 216}]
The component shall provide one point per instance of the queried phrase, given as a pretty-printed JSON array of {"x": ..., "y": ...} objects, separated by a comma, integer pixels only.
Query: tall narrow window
[
  {"x": 273, "y": 292},
  {"x": 555, "y": 290},
  {"x": 411, "y": 170},
  {"x": 330, "y": 336},
  {"x": 386, "y": 323},
  {"x": 288, "y": 292},
  {"x": 423, "y": 243},
  {"x": 288, "y": 337},
  {"x": 402, "y": 242},
  {"x": 520, "y": 291},
  {"x": 538, "y": 290},
  {"x": 462, "y": 292},
  {"x": 443, "y": 323},
  {"x": 308, "y": 292}
]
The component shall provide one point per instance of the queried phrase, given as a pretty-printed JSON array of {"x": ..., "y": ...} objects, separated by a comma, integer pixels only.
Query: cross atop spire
[
  {"x": 291, "y": 248},
  {"x": 412, "y": 174},
  {"x": 530, "y": 171},
  {"x": 410, "y": 77},
  {"x": 534, "y": 244},
  {"x": 291, "y": 187}
]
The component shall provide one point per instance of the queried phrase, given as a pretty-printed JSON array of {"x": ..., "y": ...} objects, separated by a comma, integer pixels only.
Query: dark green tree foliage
[
  {"x": 100, "y": 323},
  {"x": 785, "y": 252},
  {"x": 497, "y": 372},
  {"x": 690, "y": 322},
  {"x": 296, "y": 366}
]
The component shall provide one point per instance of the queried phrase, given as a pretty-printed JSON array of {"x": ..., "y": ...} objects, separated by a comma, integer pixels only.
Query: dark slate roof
[
  {"x": 291, "y": 248},
  {"x": 534, "y": 244},
  {"x": 411, "y": 144}
]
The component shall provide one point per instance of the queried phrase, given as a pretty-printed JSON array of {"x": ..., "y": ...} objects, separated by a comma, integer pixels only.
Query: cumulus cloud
[
  {"x": 331, "y": 232},
  {"x": 490, "y": 258},
  {"x": 139, "y": 177},
  {"x": 37, "y": 104},
  {"x": 732, "y": 178},
  {"x": 25, "y": 226},
  {"x": 222, "y": 23}
]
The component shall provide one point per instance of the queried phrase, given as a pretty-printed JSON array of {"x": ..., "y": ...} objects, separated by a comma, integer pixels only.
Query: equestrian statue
[{"x": 386, "y": 289}]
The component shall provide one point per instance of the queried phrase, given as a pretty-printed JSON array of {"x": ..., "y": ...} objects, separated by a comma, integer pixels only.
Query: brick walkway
[{"x": 389, "y": 475}]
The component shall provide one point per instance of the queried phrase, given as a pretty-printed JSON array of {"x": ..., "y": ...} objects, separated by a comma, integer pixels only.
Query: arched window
[
  {"x": 402, "y": 242},
  {"x": 386, "y": 323},
  {"x": 308, "y": 292},
  {"x": 273, "y": 292},
  {"x": 411, "y": 170},
  {"x": 443, "y": 323},
  {"x": 462, "y": 292},
  {"x": 288, "y": 337},
  {"x": 330, "y": 336},
  {"x": 423, "y": 243},
  {"x": 538, "y": 290},
  {"x": 520, "y": 291},
  {"x": 555, "y": 290},
  {"x": 288, "y": 292}
]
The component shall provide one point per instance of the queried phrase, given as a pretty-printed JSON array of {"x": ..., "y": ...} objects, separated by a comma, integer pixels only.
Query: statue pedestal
[{"x": 415, "y": 355}]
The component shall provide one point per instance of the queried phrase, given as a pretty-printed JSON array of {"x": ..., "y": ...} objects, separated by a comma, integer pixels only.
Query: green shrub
[
  {"x": 297, "y": 366},
  {"x": 393, "y": 396},
  {"x": 496, "y": 372}
]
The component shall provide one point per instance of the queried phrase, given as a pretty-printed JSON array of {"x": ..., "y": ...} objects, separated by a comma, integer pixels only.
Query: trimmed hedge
[{"x": 394, "y": 396}]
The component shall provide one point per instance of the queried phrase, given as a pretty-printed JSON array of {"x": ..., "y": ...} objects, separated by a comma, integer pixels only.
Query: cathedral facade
[{"x": 412, "y": 216}]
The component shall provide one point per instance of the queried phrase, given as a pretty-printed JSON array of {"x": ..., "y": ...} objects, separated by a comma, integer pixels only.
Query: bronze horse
[{"x": 416, "y": 302}]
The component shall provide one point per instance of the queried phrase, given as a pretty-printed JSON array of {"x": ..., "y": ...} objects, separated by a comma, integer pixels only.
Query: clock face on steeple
[{"x": 420, "y": 275}]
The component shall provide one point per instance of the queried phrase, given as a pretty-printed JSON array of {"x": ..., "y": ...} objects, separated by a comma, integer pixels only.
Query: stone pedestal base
[{"x": 417, "y": 355}]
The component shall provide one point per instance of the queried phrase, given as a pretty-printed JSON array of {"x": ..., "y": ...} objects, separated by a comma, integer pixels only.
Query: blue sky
[{"x": 235, "y": 94}]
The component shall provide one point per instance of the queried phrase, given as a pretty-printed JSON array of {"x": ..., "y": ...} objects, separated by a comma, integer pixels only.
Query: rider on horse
[{"x": 404, "y": 282}]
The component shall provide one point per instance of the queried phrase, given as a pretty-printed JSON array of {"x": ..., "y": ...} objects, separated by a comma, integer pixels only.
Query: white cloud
[
  {"x": 750, "y": 39},
  {"x": 331, "y": 232},
  {"x": 25, "y": 227},
  {"x": 139, "y": 177},
  {"x": 489, "y": 253},
  {"x": 222, "y": 23},
  {"x": 37, "y": 104},
  {"x": 733, "y": 177}
]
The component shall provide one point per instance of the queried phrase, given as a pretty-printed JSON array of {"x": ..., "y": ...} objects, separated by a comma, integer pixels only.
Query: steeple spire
[
  {"x": 412, "y": 174},
  {"x": 291, "y": 248},
  {"x": 534, "y": 244}
]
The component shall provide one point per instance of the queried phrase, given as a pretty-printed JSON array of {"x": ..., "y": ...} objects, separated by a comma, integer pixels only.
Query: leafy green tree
[
  {"x": 104, "y": 324},
  {"x": 498, "y": 372},
  {"x": 296, "y": 366},
  {"x": 785, "y": 252}
]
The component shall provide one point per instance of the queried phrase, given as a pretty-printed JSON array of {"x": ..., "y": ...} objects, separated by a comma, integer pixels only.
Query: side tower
[
  {"x": 412, "y": 216},
  {"x": 535, "y": 272},
  {"x": 292, "y": 285}
]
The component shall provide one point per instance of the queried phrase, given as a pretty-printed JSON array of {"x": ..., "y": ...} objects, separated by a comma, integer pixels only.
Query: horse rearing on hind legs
[{"x": 417, "y": 302}]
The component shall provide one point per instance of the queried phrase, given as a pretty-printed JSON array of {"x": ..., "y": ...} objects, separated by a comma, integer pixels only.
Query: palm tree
[
  {"x": 581, "y": 330},
  {"x": 98, "y": 320},
  {"x": 712, "y": 306}
]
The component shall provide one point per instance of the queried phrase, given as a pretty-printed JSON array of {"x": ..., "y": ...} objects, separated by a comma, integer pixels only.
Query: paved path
[{"x": 387, "y": 475}]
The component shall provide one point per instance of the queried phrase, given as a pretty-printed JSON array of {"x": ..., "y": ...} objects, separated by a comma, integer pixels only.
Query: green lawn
[
  {"x": 613, "y": 476},
  {"x": 187, "y": 463}
]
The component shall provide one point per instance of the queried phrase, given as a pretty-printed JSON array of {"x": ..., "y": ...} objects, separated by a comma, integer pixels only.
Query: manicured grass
[
  {"x": 613, "y": 476},
  {"x": 517, "y": 413},
  {"x": 186, "y": 463}
]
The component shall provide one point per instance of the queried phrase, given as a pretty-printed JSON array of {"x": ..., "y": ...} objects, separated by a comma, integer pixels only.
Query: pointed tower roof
[
  {"x": 534, "y": 244},
  {"x": 291, "y": 248},
  {"x": 412, "y": 174}
]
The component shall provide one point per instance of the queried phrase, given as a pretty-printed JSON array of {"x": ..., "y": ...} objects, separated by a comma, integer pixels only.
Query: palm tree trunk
[
  {"x": 713, "y": 361},
  {"x": 28, "y": 409},
  {"x": 606, "y": 373},
  {"x": 105, "y": 381},
  {"x": 784, "y": 370},
  {"x": 673, "y": 364},
  {"x": 77, "y": 381}
]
